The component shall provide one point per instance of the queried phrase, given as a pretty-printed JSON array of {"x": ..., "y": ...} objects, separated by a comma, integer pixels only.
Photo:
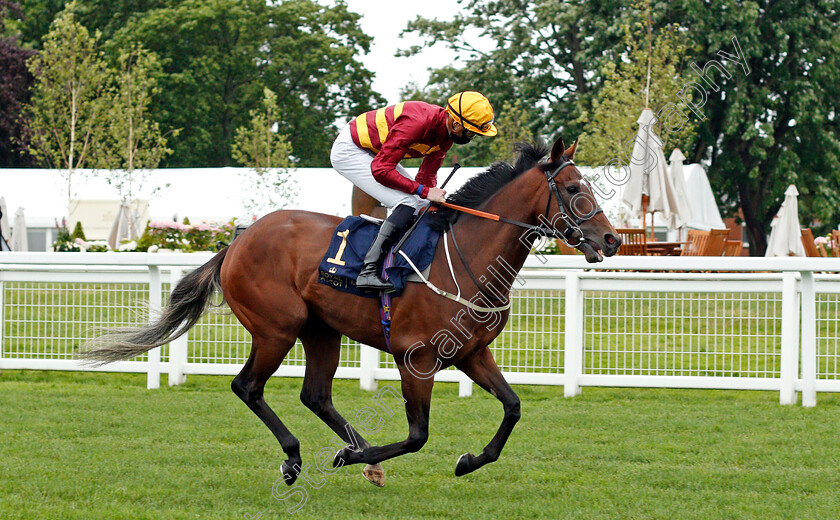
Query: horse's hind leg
[
  {"x": 417, "y": 394},
  {"x": 482, "y": 368},
  {"x": 323, "y": 347},
  {"x": 266, "y": 356}
]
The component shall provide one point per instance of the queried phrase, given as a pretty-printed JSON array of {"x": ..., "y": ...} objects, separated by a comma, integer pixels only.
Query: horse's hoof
[
  {"x": 339, "y": 459},
  {"x": 289, "y": 474},
  {"x": 374, "y": 474},
  {"x": 465, "y": 464},
  {"x": 346, "y": 456}
]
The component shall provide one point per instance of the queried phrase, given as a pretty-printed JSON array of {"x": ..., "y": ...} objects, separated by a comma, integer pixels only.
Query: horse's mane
[{"x": 480, "y": 188}]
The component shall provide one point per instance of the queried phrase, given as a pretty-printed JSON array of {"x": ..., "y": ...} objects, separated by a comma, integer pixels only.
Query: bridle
[
  {"x": 544, "y": 228},
  {"x": 572, "y": 225}
]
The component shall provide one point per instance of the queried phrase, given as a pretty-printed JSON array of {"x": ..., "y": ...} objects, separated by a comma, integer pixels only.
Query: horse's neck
[{"x": 494, "y": 249}]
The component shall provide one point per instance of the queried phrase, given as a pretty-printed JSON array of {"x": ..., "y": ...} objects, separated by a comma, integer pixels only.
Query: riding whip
[{"x": 408, "y": 233}]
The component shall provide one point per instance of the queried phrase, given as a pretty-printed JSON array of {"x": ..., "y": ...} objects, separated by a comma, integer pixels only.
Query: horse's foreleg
[
  {"x": 482, "y": 368},
  {"x": 417, "y": 394},
  {"x": 249, "y": 384},
  {"x": 323, "y": 348}
]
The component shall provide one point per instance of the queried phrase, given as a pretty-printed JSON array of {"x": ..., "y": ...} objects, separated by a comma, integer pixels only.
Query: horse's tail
[{"x": 186, "y": 306}]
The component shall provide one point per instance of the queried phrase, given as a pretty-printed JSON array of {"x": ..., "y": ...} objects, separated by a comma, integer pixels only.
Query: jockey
[{"x": 369, "y": 148}]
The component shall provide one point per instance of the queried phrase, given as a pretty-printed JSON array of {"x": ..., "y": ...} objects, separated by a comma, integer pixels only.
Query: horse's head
[{"x": 572, "y": 208}]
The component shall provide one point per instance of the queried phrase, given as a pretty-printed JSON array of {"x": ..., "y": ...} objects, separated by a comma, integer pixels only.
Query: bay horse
[
  {"x": 363, "y": 204},
  {"x": 269, "y": 279}
]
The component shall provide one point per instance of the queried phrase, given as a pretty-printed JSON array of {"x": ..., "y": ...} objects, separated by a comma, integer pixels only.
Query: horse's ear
[
  {"x": 570, "y": 153},
  {"x": 557, "y": 150}
]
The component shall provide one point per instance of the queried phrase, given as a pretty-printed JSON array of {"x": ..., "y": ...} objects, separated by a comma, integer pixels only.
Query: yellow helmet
[{"x": 473, "y": 111}]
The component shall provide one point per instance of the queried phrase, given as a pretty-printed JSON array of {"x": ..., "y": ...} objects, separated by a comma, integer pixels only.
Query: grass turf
[{"x": 101, "y": 446}]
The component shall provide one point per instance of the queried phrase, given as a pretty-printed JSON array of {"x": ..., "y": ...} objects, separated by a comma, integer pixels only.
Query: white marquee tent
[
  {"x": 219, "y": 194},
  {"x": 705, "y": 214}
]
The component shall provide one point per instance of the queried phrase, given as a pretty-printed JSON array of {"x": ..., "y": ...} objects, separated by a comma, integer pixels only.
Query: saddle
[{"x": 351, "y": 240}]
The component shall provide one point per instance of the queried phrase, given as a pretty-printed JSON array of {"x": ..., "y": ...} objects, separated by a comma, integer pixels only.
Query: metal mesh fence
[
  {"x": 626, "y": 332},
  {"x": 828, "y": 336},
  {"x": 532, "y": 340},
  {"x": 682, "y": 334},
  {"x": 219, "y": 338},
  {"x": 50, "y": 320}
]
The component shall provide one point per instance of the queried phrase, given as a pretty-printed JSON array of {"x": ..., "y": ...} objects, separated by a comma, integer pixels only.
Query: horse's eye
[{"x": 572, "y": 189}]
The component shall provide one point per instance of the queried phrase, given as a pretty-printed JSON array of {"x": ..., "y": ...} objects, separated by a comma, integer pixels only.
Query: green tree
[
  {"x": 770, "y": 115},
  {"x": 37, "y": 21},
  {"x": 610, "y": 123},
  {"x": 15, "y": 83},
  {"x": 513, "y": 128},
  {"x": 259, "y": 146},
  {"x": 541, "y": 53},
  {"x": 105, "y": 16},
  {"x": 66, "y": 116},
  {"x": 135, "y": 142},
  {"x": 78, "y": 232},
  {"x": 218, "y": 56}
]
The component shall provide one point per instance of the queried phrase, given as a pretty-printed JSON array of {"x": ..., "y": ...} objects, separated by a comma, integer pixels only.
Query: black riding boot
[{"x": 388, "y": 233}]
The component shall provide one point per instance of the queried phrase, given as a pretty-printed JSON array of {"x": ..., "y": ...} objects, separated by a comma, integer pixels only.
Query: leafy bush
[
  {"x": 78, "y": 232},
  {"x": 94, "y": 246},
  {"x": 193, "y": 237},
  {"x": 145, "y": 241},
  {"x": 127, "y": 246},
  {"x": 63, "y": 241},
  {"x": 164, "y": 234},
  {"x": 168, "y": 234}
]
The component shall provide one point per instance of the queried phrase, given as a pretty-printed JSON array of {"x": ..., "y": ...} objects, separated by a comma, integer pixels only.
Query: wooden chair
[
  {"x": 717, "y": 242},
  {"x": 733, "y": 248},
  {"x": 633, "y": 242},
  {"x": 696, "y": 243},
  {"x": 835, "y": 243},
  {"x": 807, "y": 238}
]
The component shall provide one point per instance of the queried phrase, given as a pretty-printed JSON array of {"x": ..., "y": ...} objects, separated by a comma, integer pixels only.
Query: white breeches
[{"x": 353, "y": 163}]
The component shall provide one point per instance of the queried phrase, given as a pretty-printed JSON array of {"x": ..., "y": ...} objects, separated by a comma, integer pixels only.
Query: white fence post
[
  {"x": 790, "y": 340},
  {"x": 177, "y": 348},
  {"x": 155, "y": 288},
  {"x": 809, "y": 340},
  {"x": 368, "y": 362},
  {"x": 465, "y": 385},
  {"x": 573, "y": 363}
]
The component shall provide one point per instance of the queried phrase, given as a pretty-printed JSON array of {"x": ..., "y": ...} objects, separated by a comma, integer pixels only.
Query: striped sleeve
[{"x": 371, "y": 129}]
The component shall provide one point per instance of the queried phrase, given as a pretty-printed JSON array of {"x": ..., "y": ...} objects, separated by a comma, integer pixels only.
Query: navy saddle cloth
[{"x": 350, "y": 242}]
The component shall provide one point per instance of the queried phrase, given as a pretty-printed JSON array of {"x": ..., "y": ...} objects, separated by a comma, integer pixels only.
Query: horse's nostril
[{"x": 610, "y": 239}]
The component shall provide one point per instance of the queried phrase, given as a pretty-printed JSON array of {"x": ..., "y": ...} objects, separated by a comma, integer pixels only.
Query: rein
[
  {"x": 543, "y": 229},
  {"x": 467, "y": 267},
  {"x": 572, "y": 226}
]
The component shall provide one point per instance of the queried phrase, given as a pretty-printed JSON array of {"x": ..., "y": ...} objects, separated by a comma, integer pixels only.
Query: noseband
[{"x": 572, "y": 225}]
